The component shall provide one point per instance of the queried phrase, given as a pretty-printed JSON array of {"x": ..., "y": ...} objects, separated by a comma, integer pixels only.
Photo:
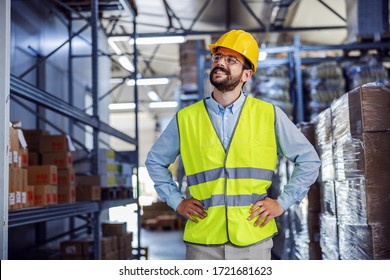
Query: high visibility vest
[{"x": 228, "y": 182}]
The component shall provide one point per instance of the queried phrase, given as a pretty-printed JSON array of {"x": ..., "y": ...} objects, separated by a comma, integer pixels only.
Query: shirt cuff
[
  {"x": 174, "y": 200},
  {"x": 285, "y": 201}
]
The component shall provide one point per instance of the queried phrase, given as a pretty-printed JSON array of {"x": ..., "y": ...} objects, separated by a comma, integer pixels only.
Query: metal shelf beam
[
  {"x": 33, "y": 215},
  {"x": 23, "y": 89}
]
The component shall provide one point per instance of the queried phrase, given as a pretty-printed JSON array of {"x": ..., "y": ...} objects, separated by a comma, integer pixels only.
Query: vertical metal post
[
  {"x": 95, "y": 95},
  {"x": 70, "y": 76},
  {"x": 135, "y": 51},
  {"x": 5, "y": 29},
  {"x": 200, "y": 69},
  {"x": 298, "y": 79},
  {"x": 71, "y": 102},
  {"x": 95, "y": 110}
]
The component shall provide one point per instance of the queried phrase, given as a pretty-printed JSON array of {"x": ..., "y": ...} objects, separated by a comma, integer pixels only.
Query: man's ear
[{"x": 246, "y": 75}]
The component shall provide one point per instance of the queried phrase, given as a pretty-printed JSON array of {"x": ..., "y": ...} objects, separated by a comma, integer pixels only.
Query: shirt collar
[{"x": 213, "y": 105}]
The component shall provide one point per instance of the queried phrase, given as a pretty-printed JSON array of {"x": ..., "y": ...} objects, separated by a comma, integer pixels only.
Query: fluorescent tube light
[
  {"x": 158, "y": 40},
  {"x": 262, "y": 55},
  {"x": 126, "y": 63},
  {"x": 114, "y": 46},
  {"x": 148, "y": 81},
  {"x": 165, "y": 104},
  {"x": 121, "y": 106},
  {"x": 153, "y": 95}
]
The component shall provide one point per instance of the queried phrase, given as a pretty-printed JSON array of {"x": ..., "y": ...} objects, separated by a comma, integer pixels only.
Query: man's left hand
[{"x": 265, "y": 210}]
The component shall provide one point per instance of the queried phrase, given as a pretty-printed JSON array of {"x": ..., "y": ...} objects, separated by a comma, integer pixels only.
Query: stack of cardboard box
[
  {"x": 77, "y": 249},
  {"x": 21, "y": 194},
  {"x": 50, "y": 168},
  {"x": 116, "y": 241},
  {"x": 328, "y": 219},
  {"x": 361, "y": 145},
  {"x": 55, "y": 150}
]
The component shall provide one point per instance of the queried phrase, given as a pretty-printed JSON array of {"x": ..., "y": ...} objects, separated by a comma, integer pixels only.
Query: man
[{"x": 229, "y": 144}]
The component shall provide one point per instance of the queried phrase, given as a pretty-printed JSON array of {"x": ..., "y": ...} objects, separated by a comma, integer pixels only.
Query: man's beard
[{"x": 228, "y": 83}]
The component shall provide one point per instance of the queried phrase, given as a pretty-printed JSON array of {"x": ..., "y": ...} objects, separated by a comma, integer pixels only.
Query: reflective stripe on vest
[
  {"x": 228, "y": 182},
  {"x": 232, "y": 173}
]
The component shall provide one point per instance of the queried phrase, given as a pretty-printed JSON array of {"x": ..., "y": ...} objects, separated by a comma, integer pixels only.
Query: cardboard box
[
  {"x": 124, "y": 241},
  {"x": 23, "y": 155},
  {"x": 82, "y": 248},
  {"x": 43, "y": 195},
  {"x": 93, "y": 180},
  {"x": 42, "y": 175},
  {"x": 66, "y": 194},
  {"x": 54, "y": 195},
  {"x": 13, "y": 139},
  {"x": 33, "y": 137},
  {"x": 34, "y": 158},
  {"x": 11, "y": 199},
  {"x": 28, "y": 196},
  {"x": 55, "y": 143},
  {"x": 17, "y": 146},
  {"x": 16, "y": 176},
  {"x": 107, "y": 245},
  {"x": 363, "y": 109},
  {"x": 24, "y": 173},
  {"x": 364, "y": 242},
  {"x": 66, "y": 177},
  {"x": 62, "y": 160},
  {"x": 88, "y": 193},
  {"x": 114, "y": 228}
]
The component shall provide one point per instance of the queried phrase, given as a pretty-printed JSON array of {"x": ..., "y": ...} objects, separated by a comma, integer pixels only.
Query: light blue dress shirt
[{"x": 291, "y": 143}]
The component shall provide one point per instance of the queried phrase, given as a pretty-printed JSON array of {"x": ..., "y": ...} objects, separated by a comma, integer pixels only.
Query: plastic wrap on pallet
[
  {"x": 351, "y": 202},
  {"x": 323, "y": 136},
  {"x": 363, "y": 109},
  {"x": 323, "y": 83},
  {"x": 348, "y": 158},
  {"x": 299, "y": 230},
  {"x": 328, "y": 197},
  {"x": 347, "y": 149},
  {"x": 369, "y": 69},
  {"x": 272, "y": 84},
  {"x": 329, "y": 237},
  {"x": 355, "y": 242}
]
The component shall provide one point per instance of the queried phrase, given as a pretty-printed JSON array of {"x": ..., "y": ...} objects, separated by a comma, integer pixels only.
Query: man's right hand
[{"x": 190, "y": 208}]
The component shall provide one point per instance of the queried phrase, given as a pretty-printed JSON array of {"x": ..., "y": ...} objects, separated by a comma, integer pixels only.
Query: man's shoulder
[
  {"x": 259, "y": 102},
  {"x": 193, "y": 106}
]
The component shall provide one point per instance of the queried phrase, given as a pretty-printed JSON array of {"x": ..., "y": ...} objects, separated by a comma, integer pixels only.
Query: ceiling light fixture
[
  {"x": 148, "y": 82},
  {"x": 152, "y": 105},
  {"x": 262, "y": 53},
  {"x": 121, "y": 106},
  {"x": 163, "y": 104},
  {"x": 153, "y": 95},
  {"x": 112, "y": 42},
  {"x": 126, "y": 63},
  {"x": 158, "y": 40}
]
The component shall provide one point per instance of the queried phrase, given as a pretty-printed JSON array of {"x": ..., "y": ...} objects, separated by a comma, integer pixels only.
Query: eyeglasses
[{"x": 230, "y": 60}]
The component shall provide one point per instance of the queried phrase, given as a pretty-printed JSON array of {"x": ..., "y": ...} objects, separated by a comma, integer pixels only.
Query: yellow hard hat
[{"x": 241, "y": 42}]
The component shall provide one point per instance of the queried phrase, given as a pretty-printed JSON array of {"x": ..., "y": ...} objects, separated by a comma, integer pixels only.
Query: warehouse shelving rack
[
  {"x": 295, "y": 62},
  {"x": 88, "y": 211}
]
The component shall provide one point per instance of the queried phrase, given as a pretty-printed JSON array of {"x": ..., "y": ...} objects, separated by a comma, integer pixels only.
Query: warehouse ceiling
[{"x": 273, "y": 22}]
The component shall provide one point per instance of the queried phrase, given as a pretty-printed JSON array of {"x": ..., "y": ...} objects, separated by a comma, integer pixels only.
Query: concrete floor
[{"x": 163, "y": 245}]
